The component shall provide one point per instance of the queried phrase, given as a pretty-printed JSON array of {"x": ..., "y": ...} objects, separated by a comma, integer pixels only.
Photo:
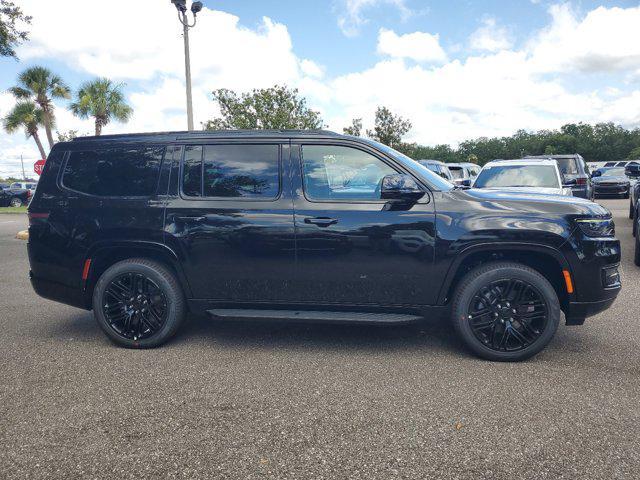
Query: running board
[{"x": 314, "y": 316}]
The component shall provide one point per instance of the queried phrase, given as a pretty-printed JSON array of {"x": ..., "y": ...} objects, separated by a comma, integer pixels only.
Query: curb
[{"x": 23, "y": 235}]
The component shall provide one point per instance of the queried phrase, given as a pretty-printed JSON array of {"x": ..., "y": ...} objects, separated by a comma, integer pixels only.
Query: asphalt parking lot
[{"x": 270, "y": 400}]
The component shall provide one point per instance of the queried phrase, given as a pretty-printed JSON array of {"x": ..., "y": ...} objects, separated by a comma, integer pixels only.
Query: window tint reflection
[
  {"x": 231, "y": 171},
  {"x": 119, "y": 172},
  {"x": 342, "y": 173}
]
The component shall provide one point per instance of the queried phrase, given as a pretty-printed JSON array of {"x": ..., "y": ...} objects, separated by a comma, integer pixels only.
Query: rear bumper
[{"x": 59, "y": 292}]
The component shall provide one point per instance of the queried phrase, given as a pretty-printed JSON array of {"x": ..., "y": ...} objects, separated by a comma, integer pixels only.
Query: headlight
[{"x": 597, "y": 227}]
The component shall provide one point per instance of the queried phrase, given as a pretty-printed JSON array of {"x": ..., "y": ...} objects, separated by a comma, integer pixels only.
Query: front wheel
[
  {"x": 630, "y": 209},
  {"x": 505, "y": 311},
  {"x": 15, "y": 202},
  {"x": 138, "y": 303}
]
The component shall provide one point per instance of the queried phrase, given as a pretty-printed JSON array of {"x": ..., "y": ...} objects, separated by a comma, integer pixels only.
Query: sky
[{"x": 455, "y": 69}]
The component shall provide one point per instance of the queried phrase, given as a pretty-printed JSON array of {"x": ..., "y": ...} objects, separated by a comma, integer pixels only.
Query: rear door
[
  {"x": 230, "y": 218},
  {"x": 352, "y": 247}
]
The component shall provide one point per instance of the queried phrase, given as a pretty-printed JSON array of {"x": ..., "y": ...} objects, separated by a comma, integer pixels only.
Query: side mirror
[
  {"x": 568, "y": 182},
  {"x": 632, "y": 171},
  {"x": 400, "y": 187},
  {"x": 595, "y": 174},
  {"x": 466, "y": 182}
]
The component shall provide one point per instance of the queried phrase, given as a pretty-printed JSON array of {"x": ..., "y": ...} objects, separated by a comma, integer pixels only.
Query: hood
[
  {"x": 528, "y": 190},
  {"x": 616, "y": 179},
  {"x": 534, "y": 203}
]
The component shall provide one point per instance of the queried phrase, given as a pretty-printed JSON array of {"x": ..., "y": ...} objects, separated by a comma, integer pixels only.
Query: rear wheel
[
  {"x": 15, "y": 202},
  {"x": 636, "y": 253},
  {"x": 138, "y": 303},
  {"x": 505, "y": 311}
]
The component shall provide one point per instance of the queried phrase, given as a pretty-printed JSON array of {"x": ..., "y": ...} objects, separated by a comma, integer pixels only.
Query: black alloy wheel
[
  {"x": 508, "y": 315},
  {"x": 134, "y": 306},
  {"x": 505, "y": 311},
  {"x": 138, "y": 303}
]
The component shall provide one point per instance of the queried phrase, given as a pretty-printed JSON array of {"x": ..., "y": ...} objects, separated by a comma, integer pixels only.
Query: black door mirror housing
[
  {"x": 400, "y": 186},
  {"x": 568, "y": 182},
  {"x": 595, "y": 174},
  {"x": 466, "y": 182}
]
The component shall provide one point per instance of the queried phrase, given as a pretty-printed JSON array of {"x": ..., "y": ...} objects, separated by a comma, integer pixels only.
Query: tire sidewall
[
  {"x": 15, "y": 203},
  {"x": 505, "y": 272},
  {"x": 174, "y": 304}
]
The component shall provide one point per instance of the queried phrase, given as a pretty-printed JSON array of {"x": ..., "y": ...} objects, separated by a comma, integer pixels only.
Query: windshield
[
  {"x": 543, "y": 176},
  {"x": 435, "y": 180},
  {"x": 457, "y": 173},
  {"x": 612, "y": 172}
]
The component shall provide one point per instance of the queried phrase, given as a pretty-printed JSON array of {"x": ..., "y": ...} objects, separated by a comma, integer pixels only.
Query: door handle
[
  {"x": 192, "y": 219},
  {"x": 321, "y": 221}
]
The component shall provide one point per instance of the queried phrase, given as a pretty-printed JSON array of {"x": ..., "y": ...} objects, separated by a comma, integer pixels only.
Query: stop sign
[{"x": 38, "y": 166}]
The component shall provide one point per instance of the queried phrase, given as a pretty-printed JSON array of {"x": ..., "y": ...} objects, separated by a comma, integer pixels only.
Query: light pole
[{"x": 181, "y": 6}]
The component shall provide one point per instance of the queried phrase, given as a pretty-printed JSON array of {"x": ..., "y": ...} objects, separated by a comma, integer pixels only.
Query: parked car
[
  {"x": 4, "y": 185},
  {"x": 633, "y": 172},
  {"x": 524, "y": 176},
  {"x": 267, "y": 224},
  {"x": 437, "y": 167},
  {"x": 463, "y": 173},
  {"x": 10, "y": 197},
  {"x": 575, "y": 173},
  {"x": 24, "y": 186},
  {"x": 611, "y": 181}
]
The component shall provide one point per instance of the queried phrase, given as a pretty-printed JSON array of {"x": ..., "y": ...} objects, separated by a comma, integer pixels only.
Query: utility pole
[
  {"x": 24, "y": 177},
  {"x": 181, "y": 6}
]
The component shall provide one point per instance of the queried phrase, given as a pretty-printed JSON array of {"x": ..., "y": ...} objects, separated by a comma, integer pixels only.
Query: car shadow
[
  {"x": 274, "y": 334},
  {"x": 432, "y": 335}
]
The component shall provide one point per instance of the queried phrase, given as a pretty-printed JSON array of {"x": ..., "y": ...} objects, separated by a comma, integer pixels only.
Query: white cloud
[
  {"x": 605, "y": 40},
  {"x": 418, "y": 46},
  {"x": 352, "y": 17},
  {"x": 491, "y": 93},
  {"x": 490, "y": 37}
]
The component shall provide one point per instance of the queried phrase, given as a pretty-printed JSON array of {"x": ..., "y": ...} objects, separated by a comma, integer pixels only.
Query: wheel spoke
[
  {"x": 134, "y": 306},
  {"x": 508, "y": 315}
]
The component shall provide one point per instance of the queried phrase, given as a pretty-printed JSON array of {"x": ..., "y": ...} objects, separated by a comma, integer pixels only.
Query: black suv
[{"x": 307, "y": 226}]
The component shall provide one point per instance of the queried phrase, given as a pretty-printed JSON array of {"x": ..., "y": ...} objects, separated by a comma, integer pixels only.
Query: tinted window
[
  {"x": 114, "y": 172},
  {"x": 231, "y": 171},
  {"x": 457, "y": 172},
  {"x": 567, "y": 166},
  {"x": 518, "y": 176},
  {"x": 342, "y": 173}
]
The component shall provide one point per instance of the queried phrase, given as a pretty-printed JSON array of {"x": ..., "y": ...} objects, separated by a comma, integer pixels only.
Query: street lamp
[{"x": 181, "y": 6}]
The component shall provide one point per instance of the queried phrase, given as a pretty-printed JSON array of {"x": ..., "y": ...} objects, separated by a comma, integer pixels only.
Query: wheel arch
[
  {"x": 104, "y": 255},
  {"x": 545, "y": 259}
]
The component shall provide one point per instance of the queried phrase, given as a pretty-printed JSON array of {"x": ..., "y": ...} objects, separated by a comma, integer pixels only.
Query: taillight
[
  {"x": 581, "y": 181},
  {"x": 39, "y": 217}
]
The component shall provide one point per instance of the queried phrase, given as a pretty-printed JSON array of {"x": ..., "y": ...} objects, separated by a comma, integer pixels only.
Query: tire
[
  {"x": 636, "y": 217},
  {"x": 636, "y": 253},
  {"x": 631, "y": 210},
  {"x": 626, "y": 195},
  {"x": 126, "y": 318},
  {"x": 15, "y": 202},
  {"x": 537, "y": 331}
]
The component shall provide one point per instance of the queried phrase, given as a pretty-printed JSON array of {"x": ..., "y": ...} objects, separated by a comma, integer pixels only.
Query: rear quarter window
[{"x": 126, "y": 171}]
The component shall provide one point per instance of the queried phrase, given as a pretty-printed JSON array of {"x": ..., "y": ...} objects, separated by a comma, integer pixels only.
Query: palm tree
[
  {"x": 41, "y": 85},
  {"x": 26, "y": 114},
  {"x": 103, "y": 100}
]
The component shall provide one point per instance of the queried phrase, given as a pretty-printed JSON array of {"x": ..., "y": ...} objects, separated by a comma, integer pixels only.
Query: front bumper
[
  {"x": 593, "y": 263},
  {"x": 611, "y": 189}
]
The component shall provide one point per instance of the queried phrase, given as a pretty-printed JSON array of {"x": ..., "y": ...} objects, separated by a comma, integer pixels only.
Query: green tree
[
  {"x": 12, "y": 21},
  {"x": 26, "y": 114},
  {"x": 354, "y": 129},
  {"x": 103, "y": 101},
  {"x": 634, "y": 154},
  {"x": 42, "y": 86},
  {"x": 389, "y": 128},
  {"x": 66, "y": 136},
  {"x": 275, "y": 108}
]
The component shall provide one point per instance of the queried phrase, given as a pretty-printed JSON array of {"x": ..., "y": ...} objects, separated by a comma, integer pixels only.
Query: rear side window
[
  {"x": 232, "y": 171},
  {"x": 567, "y": 166},
  {"x": 128, "y": 171}
]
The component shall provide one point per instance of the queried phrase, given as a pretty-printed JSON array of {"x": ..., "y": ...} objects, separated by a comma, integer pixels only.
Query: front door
[
  {"x": 230, "y": 217},
  {"x": 352, "y": 247}
]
